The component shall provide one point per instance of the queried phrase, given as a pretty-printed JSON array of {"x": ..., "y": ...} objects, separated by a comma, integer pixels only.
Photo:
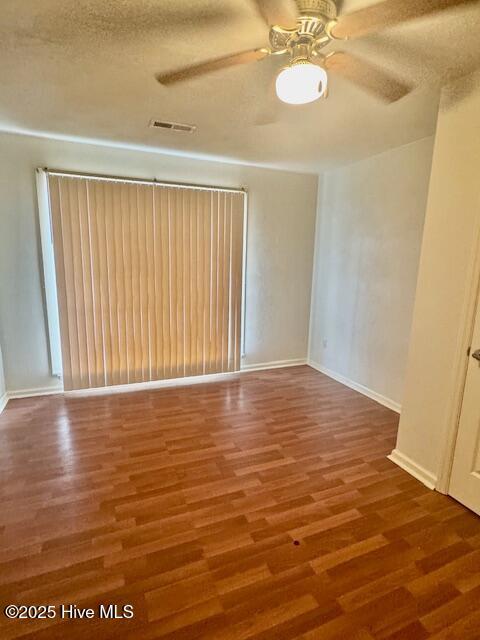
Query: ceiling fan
[{"x": 301, "y": 29}]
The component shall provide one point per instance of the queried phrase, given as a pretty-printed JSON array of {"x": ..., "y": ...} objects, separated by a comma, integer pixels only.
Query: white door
[{"x": 465, "y": 479}]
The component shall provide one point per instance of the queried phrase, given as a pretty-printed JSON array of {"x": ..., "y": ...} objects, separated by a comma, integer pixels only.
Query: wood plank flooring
[{"x": 259, "y": 508}]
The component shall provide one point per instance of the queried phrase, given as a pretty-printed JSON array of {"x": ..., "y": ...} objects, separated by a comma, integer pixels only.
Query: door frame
[{"x": 464, "y": 342}]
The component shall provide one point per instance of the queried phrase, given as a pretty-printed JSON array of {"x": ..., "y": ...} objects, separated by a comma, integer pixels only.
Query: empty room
[{"x": 240, "y": 319}]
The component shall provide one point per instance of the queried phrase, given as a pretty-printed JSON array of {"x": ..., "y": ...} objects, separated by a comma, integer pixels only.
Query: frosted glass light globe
[{"x": 302, "y": 82}]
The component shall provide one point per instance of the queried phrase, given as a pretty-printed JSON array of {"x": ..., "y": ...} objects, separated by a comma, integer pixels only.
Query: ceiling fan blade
[
  {"x": 389, "y": 13},
  {"x": 211, "y": 65},
  {"x": 280, "y": 12},
  {"x": 367, "y": 76}
]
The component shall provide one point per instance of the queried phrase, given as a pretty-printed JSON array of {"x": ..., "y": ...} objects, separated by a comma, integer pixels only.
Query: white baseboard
[
  {"x": 373, "y": 395},
  {"x": 414, "y": 469},
  {"x": 158, "y": 384},
  {"x": 32, "y": 393},
  {"x": 276, "y": 364},
  {"x": 154, "y": 384},
  {"x": 3, "y": 402}
]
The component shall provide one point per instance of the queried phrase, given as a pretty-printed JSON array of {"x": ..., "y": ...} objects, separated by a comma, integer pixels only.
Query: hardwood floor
[{"x": 263, "y": 507}]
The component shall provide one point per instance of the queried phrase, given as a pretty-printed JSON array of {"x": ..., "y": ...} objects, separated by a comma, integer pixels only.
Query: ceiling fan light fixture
[{"x": 301, "y": 82}]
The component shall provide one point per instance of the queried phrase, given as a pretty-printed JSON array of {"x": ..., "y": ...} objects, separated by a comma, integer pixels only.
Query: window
[{"x": 148, "y": 279}]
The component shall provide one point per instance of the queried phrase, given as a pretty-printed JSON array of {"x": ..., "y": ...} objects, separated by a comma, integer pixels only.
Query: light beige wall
[
  {"x": 2, "y": 381},
  {"x": 444, "y": 291},
  {"x": 369, "y": 231},
  {"x": 280, "y": 246}
]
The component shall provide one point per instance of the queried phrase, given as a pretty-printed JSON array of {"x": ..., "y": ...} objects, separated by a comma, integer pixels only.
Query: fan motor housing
[
  {"x": 311, "y": 30},
  {"x": 325, "y": 8}
]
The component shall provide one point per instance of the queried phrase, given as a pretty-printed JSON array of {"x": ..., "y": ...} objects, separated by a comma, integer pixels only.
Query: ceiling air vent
[{"x": 173, "y": 126}]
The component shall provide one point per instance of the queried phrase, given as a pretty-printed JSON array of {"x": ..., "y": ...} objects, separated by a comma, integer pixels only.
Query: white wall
[
  {"x": 280, "y": 246},
  {"x": 446, "y": 285},
  {"x": 369, "y": 232}
]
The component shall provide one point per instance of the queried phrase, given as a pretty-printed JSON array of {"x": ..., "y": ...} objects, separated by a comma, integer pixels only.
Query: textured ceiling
[{"x": 87, "y": 68}]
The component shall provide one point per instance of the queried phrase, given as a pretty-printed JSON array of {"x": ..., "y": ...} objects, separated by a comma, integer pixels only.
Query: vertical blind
[{"x": 149, "y": 280}]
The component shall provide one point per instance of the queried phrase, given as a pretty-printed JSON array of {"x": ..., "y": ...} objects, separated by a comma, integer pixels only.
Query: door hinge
[{"x": 469, "y": 351}]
